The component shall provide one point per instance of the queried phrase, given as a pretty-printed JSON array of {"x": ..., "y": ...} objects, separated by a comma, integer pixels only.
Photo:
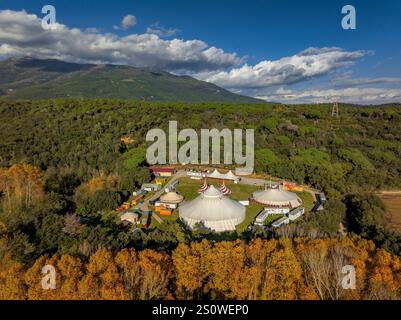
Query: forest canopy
[{"x": 66, "y": 165}]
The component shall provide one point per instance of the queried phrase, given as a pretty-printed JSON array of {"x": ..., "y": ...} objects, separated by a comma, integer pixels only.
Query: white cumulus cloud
[
  {"x": 21, "y": 34},
  {"x": 127, "y": 22},
  {"x": 310, "y": 63}
]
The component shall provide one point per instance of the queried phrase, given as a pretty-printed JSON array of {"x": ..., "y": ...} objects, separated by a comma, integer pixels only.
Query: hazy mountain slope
[{"x": 41, "y": 79}]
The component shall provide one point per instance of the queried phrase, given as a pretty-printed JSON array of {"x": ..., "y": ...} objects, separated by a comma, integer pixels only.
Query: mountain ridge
[{"x": 29, "y": 78}]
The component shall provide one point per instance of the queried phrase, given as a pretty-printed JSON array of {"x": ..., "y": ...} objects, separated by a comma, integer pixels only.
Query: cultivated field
[{"x": 393, "y": 203}]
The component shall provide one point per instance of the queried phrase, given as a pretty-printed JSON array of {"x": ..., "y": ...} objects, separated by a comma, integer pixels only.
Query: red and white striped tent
[
  {"x": 203, "y": 188},
  {"x": 224, "y": 189}
]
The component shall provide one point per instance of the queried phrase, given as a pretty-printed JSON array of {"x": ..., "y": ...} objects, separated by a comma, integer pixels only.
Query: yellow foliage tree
[
  {"x": 155, "y": 270},
  {"x": 189, "y": 264},
  {"x": 33, "y": 280},
  {"x": 12, "y": 286},
  {"x": 381, "y": 281},
  {"x": 283, "y": 273},
  {"x": 101, "y": 182},
  {"x": 102, "y": 280},
  {"x": 71, "y": 271},
  {"x": 21, "y": 185},
  {"x": 128, "y": 265}
]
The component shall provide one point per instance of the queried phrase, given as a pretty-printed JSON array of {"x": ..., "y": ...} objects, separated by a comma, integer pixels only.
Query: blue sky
[{"x": 366, "y": 61}]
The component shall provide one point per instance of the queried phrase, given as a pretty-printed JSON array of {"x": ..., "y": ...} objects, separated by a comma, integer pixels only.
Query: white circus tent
[
  {"x": 213, "y": 210},
  {"x": 223, "y": 176},
  {"x": 171, "y": 197},
  {"x": 277, "y": 197}
]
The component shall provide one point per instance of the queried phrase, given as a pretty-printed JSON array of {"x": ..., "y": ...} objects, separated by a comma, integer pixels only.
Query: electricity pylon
[{"x": 335, "y": 113}]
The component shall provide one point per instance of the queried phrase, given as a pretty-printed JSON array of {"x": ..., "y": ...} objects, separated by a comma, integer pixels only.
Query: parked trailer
[
  {"x": 195, "y": 174},
  {"x": 151, "y": 187},
  {"x": 296, "y": 213},
  {"x": 166, "y": 205},
  {"x": 261, "y": 217},
  {"x": 277, "y": 210},
  {"x": 164, "y": 211},
  {"x": 280, "y": 222}
]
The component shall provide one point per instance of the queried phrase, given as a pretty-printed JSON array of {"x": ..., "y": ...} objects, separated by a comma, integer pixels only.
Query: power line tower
[{"x": 334, "y": 111}]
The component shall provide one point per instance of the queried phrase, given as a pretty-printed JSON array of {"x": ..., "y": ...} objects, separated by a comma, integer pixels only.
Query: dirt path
[{"x": 390, "y": 192}]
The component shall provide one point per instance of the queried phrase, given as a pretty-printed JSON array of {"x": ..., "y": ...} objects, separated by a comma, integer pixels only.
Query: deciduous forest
[{"x": 263, "y": 269}]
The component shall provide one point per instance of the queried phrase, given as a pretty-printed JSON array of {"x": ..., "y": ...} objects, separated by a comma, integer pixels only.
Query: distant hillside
[{"x": 29, "y": 78}]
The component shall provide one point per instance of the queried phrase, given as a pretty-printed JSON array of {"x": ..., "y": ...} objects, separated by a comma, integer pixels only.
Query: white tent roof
[
  {"x": 172, "y": 197},
  {"x": 277, "y": 197},
  {"x": 224, "y": 176},
  {"x": 215, "y": 174},
  {"x": 231, "y": 175},
  {"x": 130, "y": 216},
  {"x": 213, "y": 210}
]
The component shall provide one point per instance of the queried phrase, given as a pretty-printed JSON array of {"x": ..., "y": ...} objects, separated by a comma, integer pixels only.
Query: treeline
[{"x": 275, "y": 269}]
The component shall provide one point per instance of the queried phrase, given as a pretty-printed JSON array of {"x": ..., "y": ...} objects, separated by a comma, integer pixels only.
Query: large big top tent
[
  {"x": 213, "y": 210},
  {"x": 277, "y": 197}
]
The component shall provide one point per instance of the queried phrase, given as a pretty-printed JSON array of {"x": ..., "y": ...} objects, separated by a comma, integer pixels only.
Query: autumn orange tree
[
  {"x": 300, "y": 268},
  {"x": 190, "y": 268},
  {"x": 102, "y": 280},
  {"x": 283, "y": 273},
  {"x": 127, "y": 261},
  {"x": 384, "y": 282},
  {"x": 12, "y": 286},
  {"x": 230, "y": 276},
  {"x": 155, "y": 275}
]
